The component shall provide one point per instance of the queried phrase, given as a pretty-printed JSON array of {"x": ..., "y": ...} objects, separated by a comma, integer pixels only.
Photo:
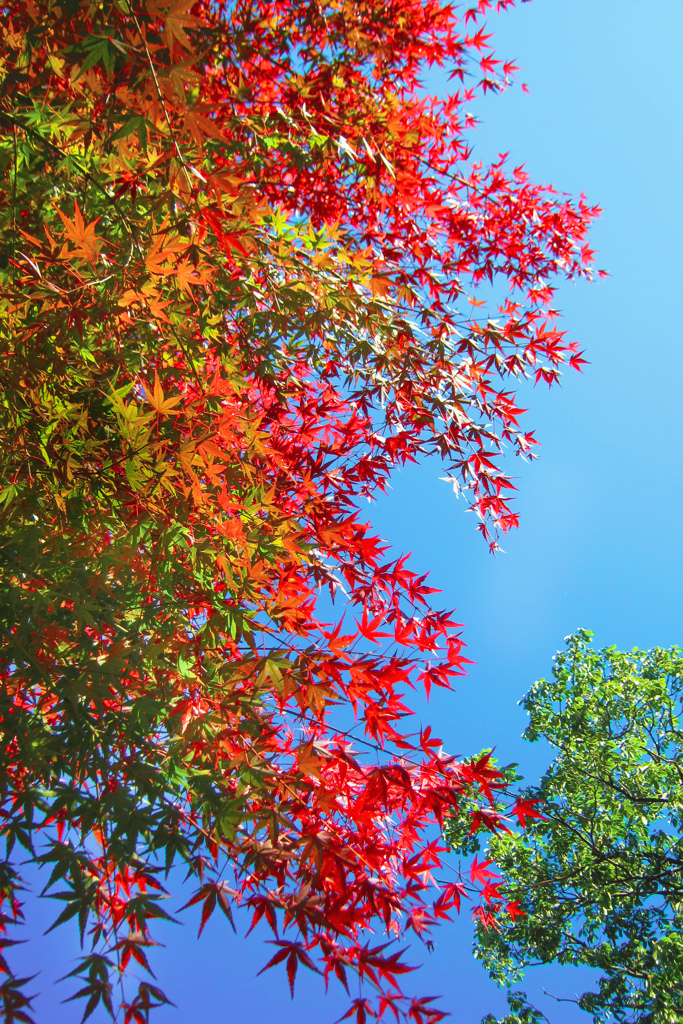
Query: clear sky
[{"x": 600, "y": 542}]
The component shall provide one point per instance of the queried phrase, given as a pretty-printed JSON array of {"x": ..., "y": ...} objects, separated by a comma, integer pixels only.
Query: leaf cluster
[{"x": 236, "y": 246}]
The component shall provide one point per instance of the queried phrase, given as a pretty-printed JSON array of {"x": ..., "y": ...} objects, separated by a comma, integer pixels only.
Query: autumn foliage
[{"x": 241, "y": 256}]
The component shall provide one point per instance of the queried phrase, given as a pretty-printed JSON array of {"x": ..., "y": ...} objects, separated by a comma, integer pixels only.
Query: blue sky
[{"x": 600, "y": 542}]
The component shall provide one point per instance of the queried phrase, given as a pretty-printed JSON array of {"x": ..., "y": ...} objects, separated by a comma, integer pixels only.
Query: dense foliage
[
  {"x": 598, "y": 877},
  {"x": 238, "y": 248}
]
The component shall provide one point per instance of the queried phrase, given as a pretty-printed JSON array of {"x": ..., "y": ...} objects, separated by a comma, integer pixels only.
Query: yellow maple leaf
[{"x": 157, "y": 399}]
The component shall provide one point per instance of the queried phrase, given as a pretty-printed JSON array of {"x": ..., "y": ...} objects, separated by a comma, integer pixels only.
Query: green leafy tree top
[{"x": 599, "y": 877}]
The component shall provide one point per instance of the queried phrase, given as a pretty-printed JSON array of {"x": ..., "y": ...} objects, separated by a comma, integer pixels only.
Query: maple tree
[{"x": 239, "y": 275}]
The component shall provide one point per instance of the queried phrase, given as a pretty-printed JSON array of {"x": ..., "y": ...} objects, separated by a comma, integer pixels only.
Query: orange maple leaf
[
  {"x": 87, "y": 242},
  {"x": 188, "y": 276},
  {"x": 175, "y": 20}
]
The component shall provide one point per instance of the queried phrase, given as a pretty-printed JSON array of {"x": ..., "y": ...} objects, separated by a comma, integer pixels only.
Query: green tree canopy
[{"x": 598, "y": 877}]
